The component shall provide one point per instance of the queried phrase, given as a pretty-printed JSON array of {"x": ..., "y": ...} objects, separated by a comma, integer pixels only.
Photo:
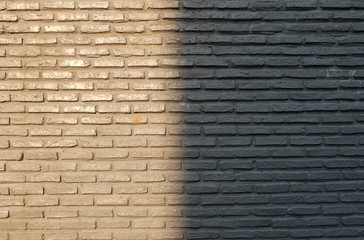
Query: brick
[
  {"x": 93, "y": 53},
  {"x": 62, "y": 190},
  {"x": 57, "y": 75},
  {"x": 23, "y": 6},
  {"x": 79, "y": 178},
  {"x": 129, "y": 74},
  {"x": 112, "y": 17},
  {"x": 59, "y": 5},
  {"x": 147, "y": 224},
  {"x": 39, "y": 64},
  {"x": 40, "y": 41},
  {"x": 80, "y": 16},
  {"x": 24, "y": 75},
  {"x": 96, "y": 120},
  {"x": 95, "y": 97},
  {"x": 4, "y": 214},
  {"x": 96, "y": 235},
  {"x": 79, "y": 109},
  {"x": 142, "y": 63},
  {"x": 163, "y": 5},
  {"x": 143, "y": 16},
  {"x": 16, "y": 225},
  {"x": 96, "y": 190},
  {"x": 41, "y": 225},
  {"x": 93, "y": 5},
  {"x": 61, "y": 120},
  {"x": 11, "y": 41},
  {"x": 44, "y": 109},
  {"x": 79, "y": 224},
  {"x": 43, "y": 202},
  {"x": 138, "y": 4},
  {"x": 11, "y": 178},
  {"x": 22, "y": 29},
  {"x": 111, "y": 201},
  {"x": 95, "y": 28},
  {"x": 168, "y": 189},
  {"x": 59, "y": 214},
  {"x": 150, "y": 131},
  {"x": 113, "y": 178},
  {"x": 64, "y": 97},
  {"x": 110, "y": 40},
  {"x": 24, "y": 52},
  {"x": 8, "y": 18},
  {"x": 10, "y": 63},
  {"x": 60, "y": 143},
  {"x": 75, "y": 41},
  {"x": 89, "y": 213},
  {"x": 155, "y": 108},
  {"x": 122, "y": 108},
  {"x": 80, "y": 132},
  {"x": 77, "y": 86},
  {"x": 76, "y": 155},
  {"x": 108, "y": 63},
  {"x": 74, "y": 63},
  {"x": 61, "y": 236},
  {"x": 59, "y": 28},
  {"x": 145, "y": 40},
  {"x": 26, "y": 167},
  {"x": 129, "y": 29},
  {"x": 34, "y": 155},
  {"x": 43, "y": 177}
]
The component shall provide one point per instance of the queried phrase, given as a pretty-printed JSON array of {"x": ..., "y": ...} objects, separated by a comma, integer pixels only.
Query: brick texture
[{"x": 181, "y": 119}]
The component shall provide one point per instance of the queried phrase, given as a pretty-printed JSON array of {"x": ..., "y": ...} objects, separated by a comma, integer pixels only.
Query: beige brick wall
[{"x": 88, "y": 147}]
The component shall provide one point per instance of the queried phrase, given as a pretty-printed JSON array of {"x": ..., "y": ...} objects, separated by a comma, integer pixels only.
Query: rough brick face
[{"x": 181, "y": 119}]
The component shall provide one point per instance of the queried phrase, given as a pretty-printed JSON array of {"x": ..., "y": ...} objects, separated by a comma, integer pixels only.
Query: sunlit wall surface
[{"x": 168, "y": 120}]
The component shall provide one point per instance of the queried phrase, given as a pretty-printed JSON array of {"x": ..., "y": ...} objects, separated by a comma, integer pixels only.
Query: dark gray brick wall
[{"x": 273, "y": 118}]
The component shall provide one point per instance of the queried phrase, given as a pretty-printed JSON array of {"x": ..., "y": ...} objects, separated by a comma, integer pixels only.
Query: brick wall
[{"x": 194, "y": 119}]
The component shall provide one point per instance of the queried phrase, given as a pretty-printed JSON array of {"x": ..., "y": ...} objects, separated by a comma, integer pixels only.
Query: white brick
[
  {"x": 38, "y": 16},
  {"x": 59, "y": 51},
  {"x": 96, "y": 97},
  {"x": 108, "y": 63},
  {"x": 23, "y": 75},
  {"x": 93, "y": 5},
  {"x": 79, "y": 16},
  {"x": 128, "y": 28},
  {"x": 62, "y": 97},
  {"x": 8, "y": 18},
  {"x": 78, "y": 63},
  {"x": 95, "y": 28},
  {"x": 93, "y": 52},
  {"x": 109, "y": 16},
  {"x": 77, "y": 40},
  {"x": 110, "y": 40},
  {"x": 23, "y": 6},
  {"x": 41, "y": 41},
  {"x": 22, "y": 29},
  {"x": 11, "y": 40},
  {"x": 57, "y": 75},
  {"x": 93, "y": 75},
  {"x": 136, "y": 4},
  {"x": 59, "y": 28},
  {"x": 59, "y": 4}
]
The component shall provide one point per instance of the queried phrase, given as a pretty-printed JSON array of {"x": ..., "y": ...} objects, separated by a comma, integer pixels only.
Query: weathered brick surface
[{"x": 181, "y": 119}]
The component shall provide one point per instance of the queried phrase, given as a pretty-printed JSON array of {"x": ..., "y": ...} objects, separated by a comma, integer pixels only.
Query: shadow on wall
[{"x": 272, "y": 117}]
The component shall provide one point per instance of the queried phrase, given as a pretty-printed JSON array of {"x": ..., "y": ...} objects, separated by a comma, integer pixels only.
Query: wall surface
[{"x": 193, "y": 119}]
